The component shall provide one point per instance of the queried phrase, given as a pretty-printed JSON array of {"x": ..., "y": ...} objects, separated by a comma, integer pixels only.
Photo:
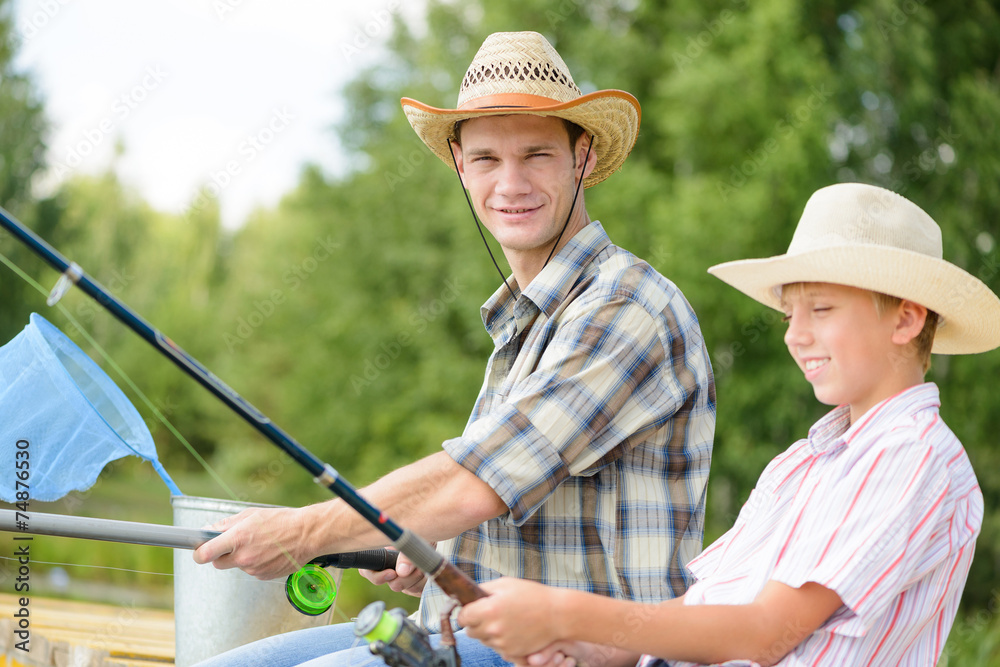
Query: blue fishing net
[{"x": 63, "y": 415}]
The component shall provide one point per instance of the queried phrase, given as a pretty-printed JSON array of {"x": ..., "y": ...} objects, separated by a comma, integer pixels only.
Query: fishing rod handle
[
  {"x": 449, "y": 578},
  {"x": 367, "y": 559},
  {"x": 457, "y": 584}
]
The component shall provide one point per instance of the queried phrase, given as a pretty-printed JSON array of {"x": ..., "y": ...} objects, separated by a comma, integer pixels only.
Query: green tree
[
  {"x": 22, "y": 149},
  {"x": 22, "y": 122}
]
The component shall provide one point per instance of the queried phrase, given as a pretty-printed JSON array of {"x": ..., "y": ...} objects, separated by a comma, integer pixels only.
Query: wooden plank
[{"x": 84, "y": 634}]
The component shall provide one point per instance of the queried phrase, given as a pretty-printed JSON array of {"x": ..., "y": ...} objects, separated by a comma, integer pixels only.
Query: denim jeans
[{"x": 334, "y": 646}]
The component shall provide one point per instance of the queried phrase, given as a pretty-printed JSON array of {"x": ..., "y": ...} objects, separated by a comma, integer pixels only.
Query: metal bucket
[{"x": 217, "y": 610}]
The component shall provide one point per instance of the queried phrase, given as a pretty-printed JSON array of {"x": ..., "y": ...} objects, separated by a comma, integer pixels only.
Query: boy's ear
[{"x": 910, "y": 318}]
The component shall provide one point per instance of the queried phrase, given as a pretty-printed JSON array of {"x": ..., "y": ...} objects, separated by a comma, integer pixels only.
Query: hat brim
[
  {"x": 611, "y": 116},
  {"x": 969, "y": 310}
]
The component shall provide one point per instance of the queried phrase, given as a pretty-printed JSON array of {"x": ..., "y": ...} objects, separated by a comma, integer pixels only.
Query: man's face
[{"x": 521, "y": 178}]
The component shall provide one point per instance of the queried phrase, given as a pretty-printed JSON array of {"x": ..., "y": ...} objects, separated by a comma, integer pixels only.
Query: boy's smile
[{"x": 844, "y": 348}]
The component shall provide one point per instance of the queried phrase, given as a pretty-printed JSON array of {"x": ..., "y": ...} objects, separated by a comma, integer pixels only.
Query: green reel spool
[
  {"x": 311, "y": 590},
  {"x": 374, "y": 623}
]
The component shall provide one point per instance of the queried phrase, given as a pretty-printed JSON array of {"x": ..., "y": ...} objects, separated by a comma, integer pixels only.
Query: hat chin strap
[
  {"x": 572, "y": 205},
  {"x": 475, "y": 218}
]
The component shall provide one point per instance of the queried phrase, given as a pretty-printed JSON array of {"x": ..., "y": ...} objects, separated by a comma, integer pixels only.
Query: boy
[{"x": 855, "y": 545}]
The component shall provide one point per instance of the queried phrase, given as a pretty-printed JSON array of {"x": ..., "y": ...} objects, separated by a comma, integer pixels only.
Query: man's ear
[
  {"x": 456, "y": 151},
  {"x": 587, "y": 140},
  {"x": 910, "y": 318}
]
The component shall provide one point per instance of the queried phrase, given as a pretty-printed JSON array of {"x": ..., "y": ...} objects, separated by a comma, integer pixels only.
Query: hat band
[{"x": 505, "y": 100}]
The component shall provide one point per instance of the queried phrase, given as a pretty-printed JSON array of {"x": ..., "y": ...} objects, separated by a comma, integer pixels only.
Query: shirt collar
[
  {"x": 836, "y": 429},
  {"x": 552, "y": 284}
]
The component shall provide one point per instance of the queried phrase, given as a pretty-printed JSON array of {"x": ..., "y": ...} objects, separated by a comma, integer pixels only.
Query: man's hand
[
  {"x": 264, "y": 542},
  {"x": 271, "y": 542},
  {"x": 406, "y": 578},
  {"x": 579, "y": 654}
]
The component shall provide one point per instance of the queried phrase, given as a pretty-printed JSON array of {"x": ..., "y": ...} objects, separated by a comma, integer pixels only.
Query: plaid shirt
[{"x": 595, "y": 426}]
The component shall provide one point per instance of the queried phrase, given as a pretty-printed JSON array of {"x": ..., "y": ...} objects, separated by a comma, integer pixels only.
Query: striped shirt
[
  {"x": 884, "y": 512},
  {"x": 594, "y": 425}
]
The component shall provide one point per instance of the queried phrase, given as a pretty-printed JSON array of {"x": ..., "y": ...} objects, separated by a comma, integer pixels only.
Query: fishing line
[
  {"x": 96, "y": 567},
  {"x": 478, "y": 225},
  {"x": 121, "y": 372},
  {"x": 576, "y": 194}
]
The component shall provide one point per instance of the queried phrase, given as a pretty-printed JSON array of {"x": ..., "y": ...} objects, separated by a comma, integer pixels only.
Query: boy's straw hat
[
  {"x": 521, "y": 73},
  {"x": 867, "y": 237}
]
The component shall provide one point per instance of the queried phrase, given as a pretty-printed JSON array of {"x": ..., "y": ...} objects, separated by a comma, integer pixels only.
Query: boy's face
[{"x": 842, "y": 345}]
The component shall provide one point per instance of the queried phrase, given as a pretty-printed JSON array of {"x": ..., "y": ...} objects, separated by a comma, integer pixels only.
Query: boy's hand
[
  {"x": 406, "y": 578},
  {"x": 516, "y": 619}
]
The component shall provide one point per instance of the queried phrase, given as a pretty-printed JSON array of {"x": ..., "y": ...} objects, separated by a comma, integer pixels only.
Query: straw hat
[
  {"x": 521, "y": 73},
  {"x": 863, "y": 236}
]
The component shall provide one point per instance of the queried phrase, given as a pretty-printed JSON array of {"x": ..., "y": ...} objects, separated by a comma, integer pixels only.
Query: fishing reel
[
  {"x": 403, "y": 643},
  {"x": 312, "y": 589}
]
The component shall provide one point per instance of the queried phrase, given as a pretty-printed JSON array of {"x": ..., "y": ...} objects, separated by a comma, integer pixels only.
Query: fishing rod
[
  {"x": 310, "y": 589},
  {"x": 445, "y": 574}
]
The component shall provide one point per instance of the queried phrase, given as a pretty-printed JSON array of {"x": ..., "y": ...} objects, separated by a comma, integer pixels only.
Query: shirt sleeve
[
  {"x": 707, "y": 563},
  {"x": 867, "y": 533},
  {"x": 600, "y": 381}
]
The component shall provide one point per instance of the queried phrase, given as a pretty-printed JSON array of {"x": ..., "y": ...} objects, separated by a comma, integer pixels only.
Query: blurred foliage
[
  {"x": 349, "y": 313},
  {"x": 22, "y": 150}
]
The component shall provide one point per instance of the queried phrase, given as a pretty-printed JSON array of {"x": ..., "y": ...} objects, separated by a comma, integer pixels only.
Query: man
[{"x": 585, "y": 459}]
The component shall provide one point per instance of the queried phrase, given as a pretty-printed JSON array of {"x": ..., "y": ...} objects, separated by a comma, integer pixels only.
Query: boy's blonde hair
[{"x": 924, "y": 340}]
